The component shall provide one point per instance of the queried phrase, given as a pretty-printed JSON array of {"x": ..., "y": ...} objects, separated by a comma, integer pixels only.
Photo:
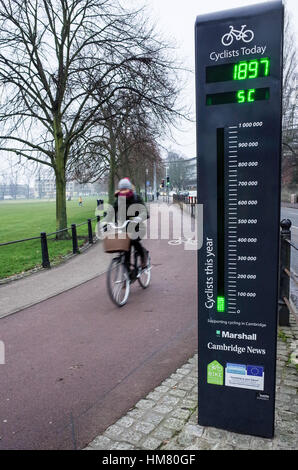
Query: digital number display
[
  {"x": 242, "y": 70},
  {"x": 239, "y": 96}
]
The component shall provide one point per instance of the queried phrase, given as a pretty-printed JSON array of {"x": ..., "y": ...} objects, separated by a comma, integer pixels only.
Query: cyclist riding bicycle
[{"x": 129, "y": 205}]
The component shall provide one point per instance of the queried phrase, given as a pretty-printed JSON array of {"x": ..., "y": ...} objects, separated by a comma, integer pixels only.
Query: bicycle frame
[
  {"x": 237, "y": 33},
  {"x": 132, "y": 268}
]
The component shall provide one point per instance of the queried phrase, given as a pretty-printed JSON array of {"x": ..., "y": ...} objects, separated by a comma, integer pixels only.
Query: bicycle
[
  {"x": 246, "y": 36},
  {"x": 120, "y": 275}
]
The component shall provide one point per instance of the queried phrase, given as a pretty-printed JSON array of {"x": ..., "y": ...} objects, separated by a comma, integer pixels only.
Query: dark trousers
[{"x": 139, "y": 249}]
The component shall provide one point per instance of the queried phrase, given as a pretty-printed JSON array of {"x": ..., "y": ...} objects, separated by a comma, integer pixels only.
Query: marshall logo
[
  {"x": 246, "y": 35},
  {"x": 228, "y": 334}
]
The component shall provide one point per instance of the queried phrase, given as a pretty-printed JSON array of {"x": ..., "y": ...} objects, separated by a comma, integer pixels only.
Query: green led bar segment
[
  {"x": 243, "y": 70},
  {"x": 221, "y": 304}
]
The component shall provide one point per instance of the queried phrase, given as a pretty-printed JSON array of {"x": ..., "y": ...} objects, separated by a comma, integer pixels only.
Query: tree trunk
[
  {"x": 112, "y": 173},
  {"x": 61, "y": 216},
  {"x": 111, "y": 188},
  {"x": 125, "y": 165}
]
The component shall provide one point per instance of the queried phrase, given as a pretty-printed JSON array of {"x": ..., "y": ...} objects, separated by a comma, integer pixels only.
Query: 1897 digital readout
[{"x": 243, "y": 70}]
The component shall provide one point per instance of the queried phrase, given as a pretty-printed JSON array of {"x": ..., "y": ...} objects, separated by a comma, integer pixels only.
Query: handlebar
[{"x": 121, "y": 227}]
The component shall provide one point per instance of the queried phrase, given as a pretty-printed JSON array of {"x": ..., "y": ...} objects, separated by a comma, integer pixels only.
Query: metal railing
[
  {"x": 44, "y": 237},
  {"x": 286, "y": 274},
  {"x": 189, "y": 201}
]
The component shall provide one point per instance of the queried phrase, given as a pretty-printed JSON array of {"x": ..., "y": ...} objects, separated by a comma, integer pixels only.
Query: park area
[{"x": 26, "y": 219}]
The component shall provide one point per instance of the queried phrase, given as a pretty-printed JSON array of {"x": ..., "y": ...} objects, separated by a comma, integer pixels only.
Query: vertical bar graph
[
  {"x": 220, "y": 221},
  {"x": 232, "y": 198}
]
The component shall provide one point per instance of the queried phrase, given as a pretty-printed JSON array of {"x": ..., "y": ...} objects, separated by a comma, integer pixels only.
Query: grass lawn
[{"x": 25, "y": 219}]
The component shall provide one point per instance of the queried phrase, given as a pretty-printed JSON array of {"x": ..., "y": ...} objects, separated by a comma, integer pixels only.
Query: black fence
[
  {"x": 190, "y": 202},
  {"x": 44, "y": 237},
  {"x": 286, "y": 274}
]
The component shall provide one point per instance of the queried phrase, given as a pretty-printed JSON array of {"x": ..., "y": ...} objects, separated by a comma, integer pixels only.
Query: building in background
[
  {"x": 9, "y": 190},
  {"x": 45, "y": 188},
  {"x": 191, "y": 174}
]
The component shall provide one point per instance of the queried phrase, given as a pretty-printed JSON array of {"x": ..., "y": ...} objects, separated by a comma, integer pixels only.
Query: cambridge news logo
[{"x": 246, "y": 35}]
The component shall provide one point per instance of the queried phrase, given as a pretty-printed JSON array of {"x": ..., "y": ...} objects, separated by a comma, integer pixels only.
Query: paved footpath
[{"x": 166, "y": 419}]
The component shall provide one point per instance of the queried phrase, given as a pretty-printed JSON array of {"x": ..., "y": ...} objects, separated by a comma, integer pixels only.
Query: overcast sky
[{"x": 176, "y": 19}]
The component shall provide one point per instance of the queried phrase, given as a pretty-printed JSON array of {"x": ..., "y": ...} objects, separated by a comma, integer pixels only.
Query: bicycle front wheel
[
  {"x": 248, "y": 35},
  {"x": 118, "y": 282}
]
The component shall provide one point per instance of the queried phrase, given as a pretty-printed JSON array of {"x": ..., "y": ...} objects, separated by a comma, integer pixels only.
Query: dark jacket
[
  {"x": 141, "y": 211},
  {"x": 131, "y": 212}
]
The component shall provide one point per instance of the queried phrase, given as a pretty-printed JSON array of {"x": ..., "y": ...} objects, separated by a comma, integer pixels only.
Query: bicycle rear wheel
[
  {"x": 118, "y": 282},
  {"x": 227, "y": 39},
  {"x": 144, "y": 275}
]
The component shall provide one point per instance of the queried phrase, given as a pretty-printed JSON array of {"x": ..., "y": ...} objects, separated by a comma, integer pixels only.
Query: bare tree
[
  {"x": 177, "y": 170},
  {"x": 134, "y": 119},
  {"x": 290, "y": 108},
  {"x": 139, "y": 156},
  {"x": 121, "y": 149},
  {"x": 60, "y": 62}
]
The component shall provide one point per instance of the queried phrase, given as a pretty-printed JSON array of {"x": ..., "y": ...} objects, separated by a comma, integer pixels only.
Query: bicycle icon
[
  {"x": 181, "y": 240},
  {"x": 246, "y": 35}
]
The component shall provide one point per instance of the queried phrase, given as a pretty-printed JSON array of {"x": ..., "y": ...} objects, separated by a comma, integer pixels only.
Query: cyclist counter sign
[{"x": 238, "y": 86}]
